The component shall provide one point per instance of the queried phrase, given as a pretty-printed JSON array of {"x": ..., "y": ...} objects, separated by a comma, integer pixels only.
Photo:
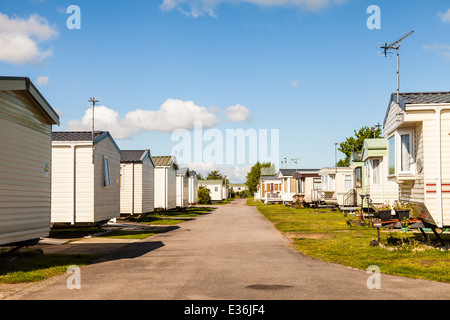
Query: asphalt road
[{"x": 233, "y": 253}]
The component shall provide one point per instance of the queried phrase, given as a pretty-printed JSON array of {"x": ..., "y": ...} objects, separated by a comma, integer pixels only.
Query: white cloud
[
  {"x": 197, "y": 8},
  {"x": 238, "y": 113},
  {"x": 20, "y": 39},
  {"x": 442, "y": 49},
  {"x": 445, "y": 17},
  {"x": 173, "y": 114},
  {"x": 42, "y": 81},
  {"x": 294, "y": 83}
]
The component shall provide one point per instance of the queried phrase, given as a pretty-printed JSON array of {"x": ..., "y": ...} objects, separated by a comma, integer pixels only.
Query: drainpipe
[
  {"x": 74, "y": 187},
  {"x": 166, "y": 202},
  {"x": 132, "y": 189},
  {"x": 440, "y": 221}
]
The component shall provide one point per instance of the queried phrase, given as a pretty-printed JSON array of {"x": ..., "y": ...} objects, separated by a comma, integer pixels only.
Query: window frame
[
  {"x": 377, "y": 170},
  {"x": 358, "y": 177},
  {"x": 348, "y": 182},
  {"x": 390, "y": 154},
  {"x": 329, "y": 182},
  {"x": 399, "y": 154},
  {"x": 106, "y": 172},
  {"x": 397, "y": 135}
]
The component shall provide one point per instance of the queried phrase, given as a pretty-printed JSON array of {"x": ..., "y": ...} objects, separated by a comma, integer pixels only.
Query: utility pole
[
  {"x": 378, "y": 126},
  {"x": 93, "y": 101},
  {"x": 335, "y": 155}
]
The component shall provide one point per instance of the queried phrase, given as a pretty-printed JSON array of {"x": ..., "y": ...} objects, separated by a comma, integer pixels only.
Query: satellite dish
[
  {"x": 419, "y": 166},
  {"x": 297, "y": 175}
]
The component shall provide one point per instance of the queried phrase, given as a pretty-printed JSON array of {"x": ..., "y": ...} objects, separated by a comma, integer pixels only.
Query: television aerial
[{"x": 387, "y": 48}]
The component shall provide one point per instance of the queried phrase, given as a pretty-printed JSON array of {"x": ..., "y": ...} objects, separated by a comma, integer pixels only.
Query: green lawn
[
  {"x": 224, "y": 202},
  {"x": 326, "y": 235},
  {"x": 127, "y": 234},
  {"x": 34, "y": 266},
  {"x": 171, "y": 217}
]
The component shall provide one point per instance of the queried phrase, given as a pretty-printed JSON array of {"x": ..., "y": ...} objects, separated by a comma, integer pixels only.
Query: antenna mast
[
  {"x": 396, "y": 46},
  {"x": 93, "y": 101}
]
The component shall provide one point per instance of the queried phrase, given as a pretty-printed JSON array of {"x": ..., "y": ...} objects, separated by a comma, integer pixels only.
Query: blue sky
[{"x": 307, "y": 68}]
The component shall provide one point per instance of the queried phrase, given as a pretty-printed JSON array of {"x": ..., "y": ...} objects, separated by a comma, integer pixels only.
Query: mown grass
[
  {"x": 325, "y": 235},
  {"x": 34, "y": 266},
  {"x": 171, "y": 217},
  {"x": 223, "y": 202},
  {"x": 126, "y": 234}
]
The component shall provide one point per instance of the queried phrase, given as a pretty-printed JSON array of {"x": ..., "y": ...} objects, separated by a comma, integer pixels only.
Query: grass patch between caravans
[
  {"x": 326, "y": 235},
  {"x": 171, "y": 217}
]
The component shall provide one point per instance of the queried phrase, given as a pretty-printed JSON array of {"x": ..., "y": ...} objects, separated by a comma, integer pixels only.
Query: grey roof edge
[
  {"x": 26, "y": 84},
  {"x": 284, "y": 172},
  {"x": 172, "y": 163},
  {"x": 403, "y": 102},
  {"x": 102, "y": 135},
  {"x": 106, "y": 134},
  {"x": 145, "y": 153},
  {"x": 184, "y": 170}
]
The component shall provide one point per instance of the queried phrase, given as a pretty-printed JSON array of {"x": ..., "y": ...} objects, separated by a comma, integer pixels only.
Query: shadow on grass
[{"x": 34, "y": 265}]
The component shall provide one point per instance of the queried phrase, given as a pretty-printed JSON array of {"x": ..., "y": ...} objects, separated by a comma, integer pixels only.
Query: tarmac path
[{"x": 232, "y": 253}]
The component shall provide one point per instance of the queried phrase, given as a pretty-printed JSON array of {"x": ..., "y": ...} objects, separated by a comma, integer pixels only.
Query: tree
[
  {"x": 255, "y": 173},
  {"x": 214, "y": 175},
  {"x": 199, "y": 176},
  {"x": 355, "y": 144},
  {"x": 204, "y": 195}
]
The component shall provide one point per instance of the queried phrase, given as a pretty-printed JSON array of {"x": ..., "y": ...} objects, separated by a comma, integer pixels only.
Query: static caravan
[
  {"x": 336, "y": 183},
  {"x": 377, "y": 186},
  {"x": 237, "y": 187},
  {"x": 269, "y": 189},
  {"x": 182, "y": 187},
  {"x": 359, "y": 181},
  {"x": 193, "y": 188},
  {"x": 85, "y": 179},
  {"x": 165, "y": 182},
  {"x": 225, "y": 191},
  {"x": 418, "y": 133},
  {"x": 26, "y": 120},
  {"x": 137, "y": 182},
  {"x": 298, "y": 184},
  {"x": 216, "y": 187}
]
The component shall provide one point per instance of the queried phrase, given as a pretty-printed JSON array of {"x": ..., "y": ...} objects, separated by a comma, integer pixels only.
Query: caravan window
[
  {"x": 358, "y": 177},
  {"x": 106, "y": 177},
  {"x": 328, "y": 182},
  {"x": 121, "y": 177},
  {"x": 406, "y": 154},
  {"x": 392, "y": 155},
  {"x": 401, "y": 153},
  {"x": 376, "y": 176},
  {"x": 348, "y": 181}
]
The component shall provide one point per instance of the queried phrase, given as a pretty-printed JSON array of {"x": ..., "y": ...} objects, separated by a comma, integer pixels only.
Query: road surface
[{"x": 233, "y": 253}]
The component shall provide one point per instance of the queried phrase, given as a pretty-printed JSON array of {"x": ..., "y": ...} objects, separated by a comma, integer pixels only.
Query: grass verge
[
  {"x": 326, "y": 235},
  {"x": 171, "y": 217},
  {"x": 34, "y": 266}
]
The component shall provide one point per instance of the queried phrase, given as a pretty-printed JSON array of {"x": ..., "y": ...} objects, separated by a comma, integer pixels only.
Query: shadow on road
[{"x": 133, "y": 250}]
